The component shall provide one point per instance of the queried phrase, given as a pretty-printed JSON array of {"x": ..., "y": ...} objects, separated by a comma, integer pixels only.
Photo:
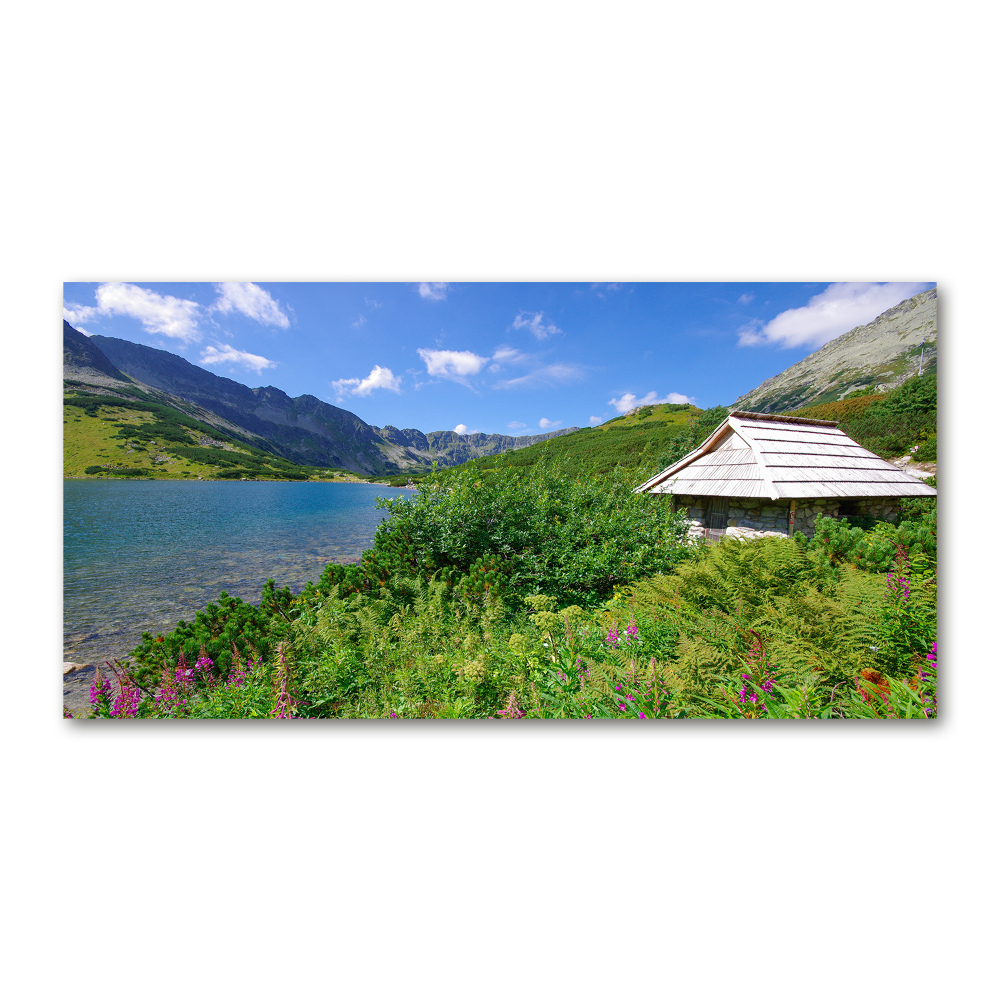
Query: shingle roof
[{"x": 763, "y": 455}]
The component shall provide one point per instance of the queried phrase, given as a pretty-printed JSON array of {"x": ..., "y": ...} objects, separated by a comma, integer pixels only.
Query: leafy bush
[
  {"x": 927, "y": 449},
  {"x": 536, "y": 529},
  {"x": 915, "y": 395},
  {"x": 874, "y": 550}
]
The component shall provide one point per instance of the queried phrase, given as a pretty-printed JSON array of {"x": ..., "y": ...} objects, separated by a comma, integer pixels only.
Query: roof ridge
[{"x": 779, "y": 418}]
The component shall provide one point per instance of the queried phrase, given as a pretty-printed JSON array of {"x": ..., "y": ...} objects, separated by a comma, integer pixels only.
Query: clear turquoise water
[{"x": 139, "y": 556}]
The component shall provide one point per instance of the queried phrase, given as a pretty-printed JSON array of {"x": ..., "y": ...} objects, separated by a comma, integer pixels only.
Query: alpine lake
[{"x": 139, "y": 556}]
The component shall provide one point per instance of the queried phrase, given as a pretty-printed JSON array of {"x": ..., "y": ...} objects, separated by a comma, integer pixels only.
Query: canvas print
[{"x": 500, "y": 501}]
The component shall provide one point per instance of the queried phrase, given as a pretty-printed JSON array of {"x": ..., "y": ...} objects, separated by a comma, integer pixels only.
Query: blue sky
[{"x": 509, "y": 358}]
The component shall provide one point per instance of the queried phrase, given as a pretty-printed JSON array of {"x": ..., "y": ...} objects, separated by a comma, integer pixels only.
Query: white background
[{"x": 452, "y": 141}]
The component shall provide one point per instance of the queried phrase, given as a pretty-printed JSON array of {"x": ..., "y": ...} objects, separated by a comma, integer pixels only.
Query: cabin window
[
  {"x": 849, "y": 508},
  {"x": 716, "y": 511}
]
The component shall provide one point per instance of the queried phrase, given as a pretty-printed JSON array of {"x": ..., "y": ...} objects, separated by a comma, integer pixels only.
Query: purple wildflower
[
  {"x": 512, "y": 710},
  {"x": 284, "y": 702}
]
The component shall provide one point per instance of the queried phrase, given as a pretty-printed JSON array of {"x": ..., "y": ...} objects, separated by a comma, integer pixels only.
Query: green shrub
[
  {"x": 874, "y": 550},
  {"x": 537, "y": 530},
  {"x": 214, "y": 631},
  {"x": 927, "y": 449}
]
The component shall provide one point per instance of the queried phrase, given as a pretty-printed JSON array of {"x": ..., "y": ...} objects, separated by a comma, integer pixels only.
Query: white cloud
[
  {"x": 630, "y": 400},
  {"x": 510, "y": 355},
  {"x": 378, "y": 378},
  {"x": 359, "y": 322},
  {"x": 535, "y": 324},
  {"x": 231, "y": 356},
  {"x": 545, "y": 423},
  {"x": 74, "y": 314},
  {"x": 461, "y": 429},
  {"x": 594, "y": 421},
  {"x": 373, "y": 304},
  {"x": 837, "y": 309},
  {"x": 454, "y": 365},
  {"x": 505, "y": 355},
  {"x": 251, "y": 300},
  {"x": 158, "y": 313},
  {"x": 746, "y": 298},
  {"x": 436, "y": 291},
  {"x": 516, "y": 425},
  {"x": 556, "y": 374}
]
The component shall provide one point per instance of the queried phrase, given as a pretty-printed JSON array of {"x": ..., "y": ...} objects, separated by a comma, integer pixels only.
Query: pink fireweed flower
[
  {"x": 612, "y": 639},
  {"x": 512, "y": 710},
  {"x": 632, "y": 632},
  {"x": 898, "y": 581},
  {"x": 284, "y": 702},
  {"x": 126, "y": 703},
  {"x": 642, "y": 715},
  {"x": 184, "y": 673}
]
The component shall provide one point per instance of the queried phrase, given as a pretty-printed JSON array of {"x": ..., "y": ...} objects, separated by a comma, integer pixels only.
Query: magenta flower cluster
[
  {"x": 101, "y": 688},
  {"x": 512, "y": 710},
  {"x": 631, "y": 632},
  {"x": 898, "y": 581}
]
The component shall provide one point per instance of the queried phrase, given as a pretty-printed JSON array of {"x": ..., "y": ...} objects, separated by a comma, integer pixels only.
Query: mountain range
[{"x": 302, "y": 429}]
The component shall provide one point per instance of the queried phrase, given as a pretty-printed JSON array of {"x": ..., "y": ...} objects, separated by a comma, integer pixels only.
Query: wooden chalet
[{"x": 759, "y": 474}]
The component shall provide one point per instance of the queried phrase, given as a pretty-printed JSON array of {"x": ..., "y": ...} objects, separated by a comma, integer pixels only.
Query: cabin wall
[
  {"x": 756, "y": 517},
  {"x": 806, "y": 512},
  {"x": 880, "y": 508},
  {"x": 747, "y": 517}
]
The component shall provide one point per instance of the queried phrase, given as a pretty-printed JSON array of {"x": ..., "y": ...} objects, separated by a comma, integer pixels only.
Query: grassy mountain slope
[
  {"x": 130, "y": 434},
  {"x": 880, "y": 355},
  {"x": 652, "y": 436}
]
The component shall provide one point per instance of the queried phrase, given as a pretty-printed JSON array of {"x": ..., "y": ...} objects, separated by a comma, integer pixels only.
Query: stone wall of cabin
[
  {"x": 880, "y": 508},
  {"x": 806, "y": 512},
  {"x": 756, "y": 517}
]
